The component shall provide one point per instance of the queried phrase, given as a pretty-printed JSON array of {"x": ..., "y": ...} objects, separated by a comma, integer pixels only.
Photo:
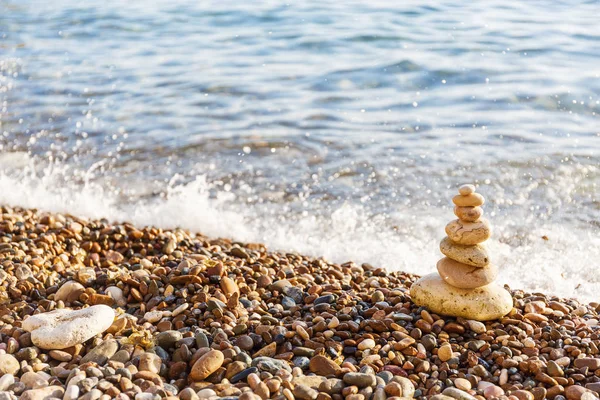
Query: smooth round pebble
[
  {"x": 9, "y": 364},
  {"x": 462, "y": 384},
  {"x": 206, "y": 365},
  {"x": 69, "y": 291},
  {"x": 366, "y": 344}
]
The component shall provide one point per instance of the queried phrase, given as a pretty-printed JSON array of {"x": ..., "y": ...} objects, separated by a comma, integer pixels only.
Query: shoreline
[{"x": 266, "y": 324}]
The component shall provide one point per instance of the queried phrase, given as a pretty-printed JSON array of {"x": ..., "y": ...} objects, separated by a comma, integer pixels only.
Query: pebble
[
  {"x": 332, "y": 386},
  {"x": 523, "y": 395},
  {"x": 476, "y": 326},
  {"x": 322, "y": 365},
  {"x": 366, "y": 344},
  {"x": 60, "y": 355},
  {"x": 206, "y": 365},
  {"x": 408, "y": 389},
  {"x": 117, "y": 295},
  {"x": 150, "y": 362},
  {"x": 202, "y": 340},
  {"x": 393, "y": 389},
  {"x": 303, "y": 392},
  {"x": 287, "y": 302},
  {"x": 153, "y": 316},
  {"x": 64, "y": 328},
  {"x": 457, "y": 394},
  {"x": 359, "y": 379},
  {"x": 6, "y": 381},
  {"x": 492, "y": 392},
  {"x": 43, "y": 393},
  {"x": 554, "y": 369},
  {"x": 462, "y": 384},
  {"x": 270, "y": 365},
  {"x": 206, "y": 393},
  {"x": 8, "y": 364},
  {"x": 589, "y": 396},
  {"x": 301, "y": 362},
  {"x": 69, "y": 291},
  {"x": 240, "y": 376},
  {"x": 591, "y": 363},
  {"x": 229, "y": 286},
  {"x": 6, "y": 396},
  {"x": 312, "y": 381},
  {"x": 445, "y": 352},
  {"x": 121, "y": 356},
  {"x": 101, "y": 353},
  {"x": 575, "y": 392},
  {"x": 167, "y": 339},
  {"x": 34, "y": 380},
  {"x": 180, "y": 309},
  {"x": 377, "y": 296},
  {"x": 327, "y": 299}
]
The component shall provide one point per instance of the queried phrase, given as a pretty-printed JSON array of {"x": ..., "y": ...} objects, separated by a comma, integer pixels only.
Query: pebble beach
[{"x": 175, "y": 314}]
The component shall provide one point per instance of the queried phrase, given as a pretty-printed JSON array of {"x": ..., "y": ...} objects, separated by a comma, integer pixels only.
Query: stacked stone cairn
[{"x": 464, "y": 286}]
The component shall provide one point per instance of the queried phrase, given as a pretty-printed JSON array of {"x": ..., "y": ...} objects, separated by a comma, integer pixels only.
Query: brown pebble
[
  {"x": 323, "y": 366},
  {"x": 206, "y": 365}
]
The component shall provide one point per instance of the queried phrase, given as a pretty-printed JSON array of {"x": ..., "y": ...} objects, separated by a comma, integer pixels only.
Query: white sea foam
[{"x": 565, "y": 264}]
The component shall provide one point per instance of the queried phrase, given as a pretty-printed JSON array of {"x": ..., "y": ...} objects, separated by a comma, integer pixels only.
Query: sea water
[{"x": 336, "y": 129}]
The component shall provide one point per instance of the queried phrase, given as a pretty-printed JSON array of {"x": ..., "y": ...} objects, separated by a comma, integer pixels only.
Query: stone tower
[{"x": 464, "y": 285}]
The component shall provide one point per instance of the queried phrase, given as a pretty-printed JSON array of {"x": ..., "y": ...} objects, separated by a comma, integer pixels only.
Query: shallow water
[{"x": 339, "y": 130}]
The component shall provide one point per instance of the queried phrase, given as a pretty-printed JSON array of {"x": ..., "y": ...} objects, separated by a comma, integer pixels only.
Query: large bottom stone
[{"x": 482, "y": 304}]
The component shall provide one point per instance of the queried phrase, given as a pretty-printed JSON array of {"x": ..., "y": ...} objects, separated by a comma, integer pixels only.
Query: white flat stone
[{"x": 64, "y": 328}]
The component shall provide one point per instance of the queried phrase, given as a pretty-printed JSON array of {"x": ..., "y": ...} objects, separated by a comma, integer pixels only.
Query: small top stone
[{"x": 466, "y": 190}]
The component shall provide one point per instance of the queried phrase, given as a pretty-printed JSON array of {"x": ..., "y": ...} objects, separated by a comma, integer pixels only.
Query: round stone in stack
[
  {"x": 466, "y": 190},
  {"x": 469, "y": 233},
  {"x": 465, "y": 276},
  {"x": 468, "y": 214},
  {"x": 475, "y": 255}
]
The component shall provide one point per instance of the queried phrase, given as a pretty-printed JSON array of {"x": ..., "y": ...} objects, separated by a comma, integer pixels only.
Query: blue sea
[{"x": 337, "y": 129}]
